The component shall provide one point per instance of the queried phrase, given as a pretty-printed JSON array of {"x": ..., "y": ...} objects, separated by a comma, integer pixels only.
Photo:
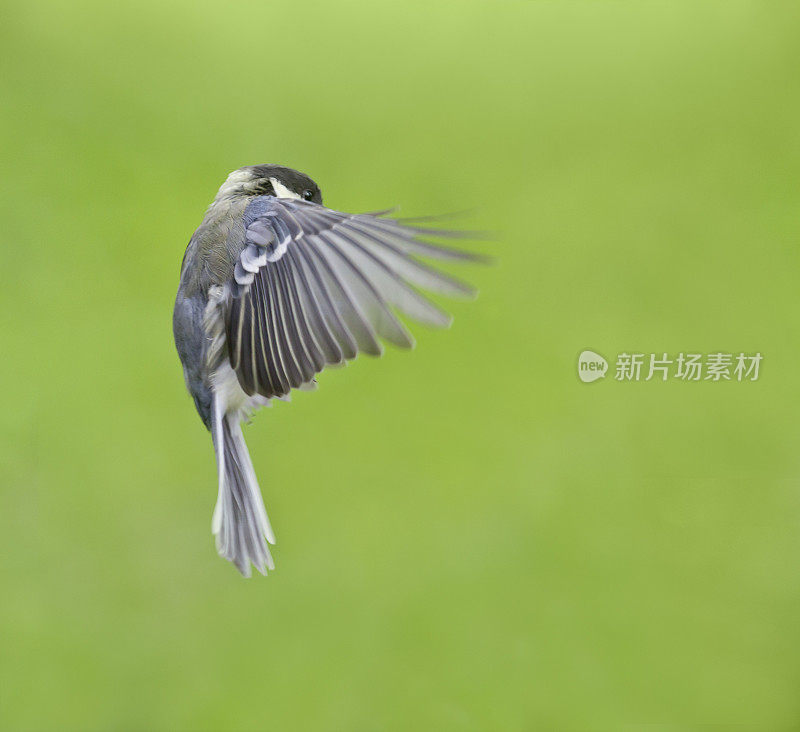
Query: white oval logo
[{"x": 591, "y": 366}]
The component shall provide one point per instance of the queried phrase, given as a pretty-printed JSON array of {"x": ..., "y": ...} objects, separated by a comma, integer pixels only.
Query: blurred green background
[{"x": 469, "y": 538}]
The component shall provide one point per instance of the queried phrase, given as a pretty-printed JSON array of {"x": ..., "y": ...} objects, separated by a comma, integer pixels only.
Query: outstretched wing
[{"x": 314, "y": 287}]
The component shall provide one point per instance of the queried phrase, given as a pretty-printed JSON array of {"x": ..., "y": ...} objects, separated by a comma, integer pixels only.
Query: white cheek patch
[{"x": 281, "y": 191}]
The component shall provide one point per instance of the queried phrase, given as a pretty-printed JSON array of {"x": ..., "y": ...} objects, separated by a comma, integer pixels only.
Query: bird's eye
[{"x": 308, "y": 194}]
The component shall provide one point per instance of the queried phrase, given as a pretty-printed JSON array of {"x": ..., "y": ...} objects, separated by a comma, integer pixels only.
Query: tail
[{"x": 240, "y": 522}]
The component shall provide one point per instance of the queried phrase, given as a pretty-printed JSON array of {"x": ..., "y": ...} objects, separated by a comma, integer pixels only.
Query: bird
[{"x": 275, "y": 287}]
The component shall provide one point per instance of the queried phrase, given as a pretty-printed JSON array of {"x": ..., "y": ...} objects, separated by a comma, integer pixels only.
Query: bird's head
[{"x": 269, "y": 180}]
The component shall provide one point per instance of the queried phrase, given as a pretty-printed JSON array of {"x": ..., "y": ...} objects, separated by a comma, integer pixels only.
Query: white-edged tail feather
[{"x": 240, "y": 522}]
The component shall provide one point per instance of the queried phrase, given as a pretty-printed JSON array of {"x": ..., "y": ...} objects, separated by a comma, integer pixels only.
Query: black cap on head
[{"x": 295, "y": 181}]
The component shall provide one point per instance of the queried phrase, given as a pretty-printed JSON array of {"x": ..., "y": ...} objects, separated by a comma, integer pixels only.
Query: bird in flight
[{"x": 274, "y": 287}]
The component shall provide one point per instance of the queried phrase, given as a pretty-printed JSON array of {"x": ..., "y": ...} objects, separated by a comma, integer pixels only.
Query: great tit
[{"x": 274, "y": 287}]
